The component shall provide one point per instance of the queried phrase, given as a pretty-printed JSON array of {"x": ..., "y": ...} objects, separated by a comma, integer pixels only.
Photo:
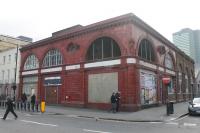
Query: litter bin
[{"x": 170, "y": 107}]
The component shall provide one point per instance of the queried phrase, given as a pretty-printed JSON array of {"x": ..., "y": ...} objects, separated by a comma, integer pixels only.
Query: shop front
[{"x": 52, "y": 89}]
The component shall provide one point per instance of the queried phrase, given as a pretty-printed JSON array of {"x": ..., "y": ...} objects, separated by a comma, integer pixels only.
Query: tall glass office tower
[{"x": 189, "y": 42}]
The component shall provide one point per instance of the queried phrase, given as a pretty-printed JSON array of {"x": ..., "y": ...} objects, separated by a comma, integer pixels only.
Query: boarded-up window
[{"x": 101, "y": 86}]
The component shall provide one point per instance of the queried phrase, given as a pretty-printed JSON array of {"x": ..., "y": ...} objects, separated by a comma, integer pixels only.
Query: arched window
[
  {"x": 169, "y": 61},
  {"x": 146, "y": 50},
  {"x": 103, "y": 48},
  {"x": 31, "y": 62},
  {"x": 52, "y": 58}
]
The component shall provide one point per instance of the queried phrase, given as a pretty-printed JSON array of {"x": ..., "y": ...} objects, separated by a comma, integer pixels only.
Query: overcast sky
[{"x": 39, "y": 18}]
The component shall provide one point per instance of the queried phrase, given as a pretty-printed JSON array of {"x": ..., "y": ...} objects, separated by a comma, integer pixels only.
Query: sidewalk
[{"x": 154, "y": 114}]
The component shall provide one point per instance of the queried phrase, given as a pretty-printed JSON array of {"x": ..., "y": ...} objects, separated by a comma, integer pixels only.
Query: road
[{"x": 51, "y": 123}]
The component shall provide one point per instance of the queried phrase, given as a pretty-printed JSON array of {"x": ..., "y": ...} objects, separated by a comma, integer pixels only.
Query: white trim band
[
  {"x": 146, "y": 64},
  {"x": 51, "y": 70},
  {"x": 161, "y": 69},
  {"x": 47, "y": 78},
  {"x": 72, "y": 67},
  {"x": 30, "y": 72},
  {"x": 131, "y": 60},
  {"x": 103, "y": 63},
  {"x": 170, "y": 72}
]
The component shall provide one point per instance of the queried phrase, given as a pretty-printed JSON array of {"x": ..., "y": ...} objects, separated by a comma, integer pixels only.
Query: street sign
[{"x": 166, "y": 80}]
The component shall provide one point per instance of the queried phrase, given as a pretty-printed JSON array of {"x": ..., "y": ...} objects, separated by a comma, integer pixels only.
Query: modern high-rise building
[{"x": 188, "y": 41}]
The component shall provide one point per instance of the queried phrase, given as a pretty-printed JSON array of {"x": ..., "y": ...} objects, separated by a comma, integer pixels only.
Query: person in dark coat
[
  {"x": 24, "y": 99},
  {"x": 113, "y": 102},
  {"x": 117, "y": 95},
  {"x": 33, "y": 97},
  {"x": 9, "y": 108}
]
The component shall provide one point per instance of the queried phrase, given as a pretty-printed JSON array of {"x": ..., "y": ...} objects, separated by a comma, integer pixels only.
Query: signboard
[
  {"x": 166, "y": 80},
  {"x": 52, "y": 81}
]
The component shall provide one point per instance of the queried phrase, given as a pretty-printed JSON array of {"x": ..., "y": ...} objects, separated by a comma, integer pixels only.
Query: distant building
[
  {"x": 28, "y": 39},
  {"x": 9, "y": 64},
  {"x": 83, "y": 65},
  {"x": 189, "y": 42}
]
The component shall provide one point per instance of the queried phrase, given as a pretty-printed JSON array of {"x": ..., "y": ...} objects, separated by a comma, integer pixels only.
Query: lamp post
[{"x": 15, "y": 82}]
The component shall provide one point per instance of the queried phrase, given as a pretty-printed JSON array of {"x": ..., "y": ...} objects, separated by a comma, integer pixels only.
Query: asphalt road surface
[{"x": 50, "y": 123}]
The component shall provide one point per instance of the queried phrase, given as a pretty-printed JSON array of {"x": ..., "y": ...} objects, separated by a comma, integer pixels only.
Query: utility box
[{"x": 170, "y": 107}]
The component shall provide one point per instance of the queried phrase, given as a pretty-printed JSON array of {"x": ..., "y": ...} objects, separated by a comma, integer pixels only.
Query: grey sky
[{"x": 39, "y": 18}]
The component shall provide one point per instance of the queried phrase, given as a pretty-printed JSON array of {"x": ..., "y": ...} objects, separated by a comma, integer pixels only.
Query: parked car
[{"x": 194, "y": 106}]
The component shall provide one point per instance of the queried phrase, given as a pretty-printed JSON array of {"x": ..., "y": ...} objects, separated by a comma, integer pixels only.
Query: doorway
[{"x": 51, "y": 95}]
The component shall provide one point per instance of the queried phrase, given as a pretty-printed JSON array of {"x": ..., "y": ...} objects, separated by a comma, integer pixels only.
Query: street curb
[
  {"x": 123, "y": 120},
  {"x": 115, "y": 119},
  {"x": 181, "y": 116},
  {"x": 111, "y": 119}
]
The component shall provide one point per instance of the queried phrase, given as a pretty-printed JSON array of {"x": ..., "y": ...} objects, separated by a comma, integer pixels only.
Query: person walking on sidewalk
[
  {"x": 33, "y": 102},
  {"x": 9, "y": 108},
  {"x": 117, "y": 95},
  {"x": 24, "y": 99},
  {"x": 113, "y": 102}
]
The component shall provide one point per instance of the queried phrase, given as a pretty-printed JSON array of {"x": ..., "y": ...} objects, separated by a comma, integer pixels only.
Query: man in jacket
[
  {"x": 117, "y": 95},
  {"x": 113, "y": 102},
  {"x": 33, "y": 97},
  {"x": 9, "y": 108}
]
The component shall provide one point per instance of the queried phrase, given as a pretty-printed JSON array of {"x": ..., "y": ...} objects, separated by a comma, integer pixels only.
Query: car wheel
[{"x": 190, "y": 112}]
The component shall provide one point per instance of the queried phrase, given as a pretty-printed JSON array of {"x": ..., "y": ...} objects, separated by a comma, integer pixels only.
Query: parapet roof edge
[{"x": 115, "y": 20}]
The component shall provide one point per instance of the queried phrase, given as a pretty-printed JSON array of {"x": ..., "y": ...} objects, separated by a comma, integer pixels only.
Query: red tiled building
[{"x": 83, "y": 65}]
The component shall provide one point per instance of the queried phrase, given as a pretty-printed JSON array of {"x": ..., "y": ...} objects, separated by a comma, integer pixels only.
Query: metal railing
[{"x": 22, "y": 106}]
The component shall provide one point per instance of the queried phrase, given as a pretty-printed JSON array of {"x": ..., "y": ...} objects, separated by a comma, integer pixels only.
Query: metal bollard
[
  {"x": 18, "y": 105},
  {"x": 32, "y": 107},
  {"x": 24, "y": 106},
  {"x": 28, "y": 106},
  {"x": 21, "y": 106},
  {"x": 4, "y": 103},
  {"x": 36, "y": 107}
]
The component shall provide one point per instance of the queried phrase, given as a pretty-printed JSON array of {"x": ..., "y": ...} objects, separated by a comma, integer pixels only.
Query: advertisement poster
[{"x": 148, "y": 87}]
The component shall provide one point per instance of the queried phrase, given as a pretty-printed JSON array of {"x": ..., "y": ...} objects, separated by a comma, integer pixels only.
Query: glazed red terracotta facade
[{"x": 128, "y": 31}]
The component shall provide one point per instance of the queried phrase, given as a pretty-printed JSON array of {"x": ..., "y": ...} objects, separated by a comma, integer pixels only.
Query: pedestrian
[
  {"x": 9, "y": 108},
  {"x": 113, "y": 102},
  {"x": 24, "y": 99},
  {"x": 118, "y": 97},
  {"x": 33, "y": 102}
]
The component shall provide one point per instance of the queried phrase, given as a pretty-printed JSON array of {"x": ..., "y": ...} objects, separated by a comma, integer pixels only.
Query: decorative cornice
[{"x": 117, "y": 21}]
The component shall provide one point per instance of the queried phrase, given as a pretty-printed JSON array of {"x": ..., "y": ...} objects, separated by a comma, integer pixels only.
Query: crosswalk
[{"x": 185, "y": 124}]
